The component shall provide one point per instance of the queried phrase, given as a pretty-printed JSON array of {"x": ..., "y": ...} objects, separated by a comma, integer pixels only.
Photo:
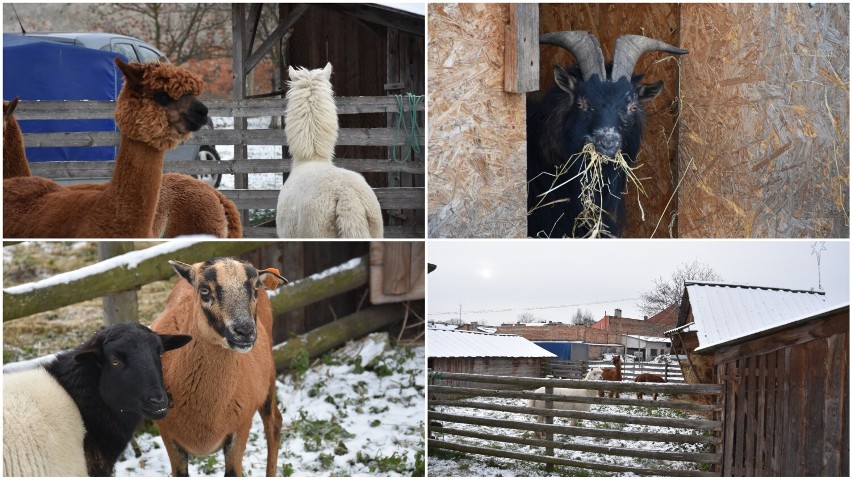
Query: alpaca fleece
[
  {"x": 319, "y": 199},
  {"x": 594, "y": 374},
  {"x": 55, "y": 447},
  {"x": 14, "y": 156}
]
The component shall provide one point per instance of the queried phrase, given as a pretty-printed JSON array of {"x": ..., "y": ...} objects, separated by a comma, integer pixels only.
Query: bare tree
[
  {"x": 527, "y": 318},
  {"x": 182, "y": 31},
  {"x": 582, "y": 318},
  {"x": 668, "y": 291}
]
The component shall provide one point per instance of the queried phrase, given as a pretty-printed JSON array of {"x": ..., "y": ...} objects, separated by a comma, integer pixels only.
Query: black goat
[
  {"x": 116, "y": 379},
  {"x": 593, "y": 103}
]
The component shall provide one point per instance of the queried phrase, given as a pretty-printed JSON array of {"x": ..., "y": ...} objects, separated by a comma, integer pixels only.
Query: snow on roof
[
  {"x": 486, "y": 329},
  {"x": 686, "y": 328},
  {"x": 467, "y": 344},
  {"x": 655, "y": 339},
  {"x": 727, "y": 312}
]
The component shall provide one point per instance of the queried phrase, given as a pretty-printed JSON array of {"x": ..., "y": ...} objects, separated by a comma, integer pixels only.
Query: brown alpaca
[
  {"x": 648, "y": 378},
  {"x": 157, "y": 108},
  {"x": 610, "y": 374},
  {"x": 14, "y": 157},
  {"x": 227, "y": 372}
]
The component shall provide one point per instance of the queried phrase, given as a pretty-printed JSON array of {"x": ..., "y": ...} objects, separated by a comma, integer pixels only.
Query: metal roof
[
  {"x": 467, "y": 344},
  {"x": 724, "y": 313}
]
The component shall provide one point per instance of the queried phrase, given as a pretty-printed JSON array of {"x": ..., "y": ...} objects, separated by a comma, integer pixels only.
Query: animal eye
[
  {"x": 162, "y": 98},
  {"x": 632, "y": 107},
  {"x": 205, "y": 292},
  {"x": 116, "y": 363}
]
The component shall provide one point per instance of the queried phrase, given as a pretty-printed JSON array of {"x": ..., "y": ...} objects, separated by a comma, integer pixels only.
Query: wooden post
[
  {"x": 548, "y": 404},
  {"x": 238, "y": 24},
  {"x": 120, "y": 307},
  {"x": 521, "y": 69}
]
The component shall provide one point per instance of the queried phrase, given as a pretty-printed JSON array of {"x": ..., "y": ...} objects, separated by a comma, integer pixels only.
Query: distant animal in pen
[
  {"x": 612, "y": 374},
  {"x": 648, "y": 378},
  {"x": 595, "y": 374},
  {"x": 596, "y": 107}
]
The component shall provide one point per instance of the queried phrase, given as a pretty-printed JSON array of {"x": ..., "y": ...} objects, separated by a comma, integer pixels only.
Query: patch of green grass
[
  {"x": 316, "y": 432},
  {"x": 327, "y": 460},
  {"x": 287, "y": 470},
  {"x": 397, "y": 463}
]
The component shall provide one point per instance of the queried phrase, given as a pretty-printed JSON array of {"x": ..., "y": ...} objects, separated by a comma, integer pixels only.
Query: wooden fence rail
[
  {"x": 455, "y": 424},
  {"x": 572, "y": 369}
]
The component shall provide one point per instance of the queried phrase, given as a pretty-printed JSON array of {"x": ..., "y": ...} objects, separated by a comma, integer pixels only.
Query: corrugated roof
[
  {"x": 468, "y": 344},
  {"x": 727, "y": 312}
]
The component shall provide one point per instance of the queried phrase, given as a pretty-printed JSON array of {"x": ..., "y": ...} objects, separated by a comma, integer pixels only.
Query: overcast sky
[{"x": 521, "y": 275}]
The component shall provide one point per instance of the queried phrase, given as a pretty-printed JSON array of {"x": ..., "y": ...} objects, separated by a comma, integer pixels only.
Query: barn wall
[
  {"x": 477, "y": 132},
  {"x": 764, "y": 132},
  {"x": 521, "y": 367},
  {"x": 658, "y": 152},
  {"x": 786, "y": 408}
]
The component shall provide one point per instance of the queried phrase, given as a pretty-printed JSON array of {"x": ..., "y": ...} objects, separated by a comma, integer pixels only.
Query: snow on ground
[
  {"x": 342, "y": 417},
  {"x": 451, "y": 464},
  {"x": 257, "y": 181}
]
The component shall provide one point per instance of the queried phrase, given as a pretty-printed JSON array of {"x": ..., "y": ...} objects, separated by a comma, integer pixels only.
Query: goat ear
[
  {"x": 9, "y": 107},
  {"x": 183, "y": 269},
  {"x": 649, "y": 91},
  {"x": 174, "y": 341},
  {"x": 271, "y": 279},
  {"x": 564, "y": 80},
  {"x": 133, "y": 73}
]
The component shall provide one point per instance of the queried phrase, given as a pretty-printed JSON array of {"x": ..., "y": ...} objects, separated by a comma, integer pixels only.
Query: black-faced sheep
[
  {"x": 591, "y": 104},
  {"x": 594, "y": 374},
  {"x": 227, "y": 373},
  {"x": 76, "y": 415}
]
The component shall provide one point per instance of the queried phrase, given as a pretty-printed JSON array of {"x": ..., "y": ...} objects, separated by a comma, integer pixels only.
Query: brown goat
[
  {"x": 227, "y": 373},
  {"x": 610, "y": 374},
  {"x": 156, "y": 109},
  {"x": 648, "y": 378},
  {"x": 14, "y": 157}
]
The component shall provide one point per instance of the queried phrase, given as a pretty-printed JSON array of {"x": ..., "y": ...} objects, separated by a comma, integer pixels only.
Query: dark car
[{"x": 138, "y": 51}]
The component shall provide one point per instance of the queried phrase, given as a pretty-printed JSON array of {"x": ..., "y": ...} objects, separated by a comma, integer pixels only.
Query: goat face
[
  {"x": 227, "y": 290},
  {"x": 608, "y": 114},
  {"x": 128, "y": 356}
]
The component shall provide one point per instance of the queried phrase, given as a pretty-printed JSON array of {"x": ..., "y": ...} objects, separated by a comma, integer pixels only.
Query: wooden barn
[
  {"x": 483, "y": 353},
  {"x": 749, "y": 137},
  {"x": 782, "y": 357}
]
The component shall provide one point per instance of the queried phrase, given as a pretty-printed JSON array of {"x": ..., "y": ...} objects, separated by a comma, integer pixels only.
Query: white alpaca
[
  {"x": 595, "y": 374},
  {"x": 320, "y": 200}
]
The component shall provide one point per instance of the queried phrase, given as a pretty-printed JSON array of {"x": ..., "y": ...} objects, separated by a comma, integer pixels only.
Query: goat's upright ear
[
  {"x": 564, "y": 80},
  {"x": 133, "y": 73},
  {"x": 183, "y": 269},
  {"x": 649, "y": 91},
  {"x": 174, "y": 341},
  {"x": 271, "y": 278}
]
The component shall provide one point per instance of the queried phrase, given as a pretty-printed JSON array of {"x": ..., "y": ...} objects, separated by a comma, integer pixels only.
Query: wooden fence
[
  {"x": 456, "y": 431},
  {"x": 578, "y": 369},
  {"x": 390, "y": 198}
]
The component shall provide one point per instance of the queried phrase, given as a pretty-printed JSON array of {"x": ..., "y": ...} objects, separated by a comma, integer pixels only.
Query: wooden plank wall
[
  {"x": 764, "y": 132},
  {"x": 786, "y": 410},
  {"x": 659, "y": 145},
  {"x": 520, "y": 367},
  {"x": 477, "y": 131}
]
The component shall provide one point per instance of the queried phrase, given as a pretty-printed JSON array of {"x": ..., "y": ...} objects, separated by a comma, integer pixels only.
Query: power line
[{"x": 534, "y": 308}]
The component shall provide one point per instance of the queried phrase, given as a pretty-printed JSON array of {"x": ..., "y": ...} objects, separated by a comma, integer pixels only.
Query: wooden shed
[
  {"x": 783, "y": 359},
  {"x": 470, "y": 352},
  {"x": 756, "y": 111}
]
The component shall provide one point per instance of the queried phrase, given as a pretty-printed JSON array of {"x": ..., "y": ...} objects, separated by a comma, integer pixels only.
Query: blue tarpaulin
[
  {"x": 44, "y": 70},
  {"x": 566, "y": 350}
]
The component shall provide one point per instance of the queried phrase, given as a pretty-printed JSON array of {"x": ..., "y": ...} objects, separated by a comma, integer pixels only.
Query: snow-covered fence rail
[
  {"x": 399, "y": 196},
  {"x": 499, "y": 423},
  {"x": 578, "y": 369}
]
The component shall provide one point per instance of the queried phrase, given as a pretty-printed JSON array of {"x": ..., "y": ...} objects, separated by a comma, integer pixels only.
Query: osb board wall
[
  {"x": 658, "y": 152},
  {"x": 764, "y": 133},
  {"x": 477, "y": 132}
]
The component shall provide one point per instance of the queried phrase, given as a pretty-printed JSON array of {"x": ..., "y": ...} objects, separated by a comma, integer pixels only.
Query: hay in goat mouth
[{"x": 592, "y": 183}]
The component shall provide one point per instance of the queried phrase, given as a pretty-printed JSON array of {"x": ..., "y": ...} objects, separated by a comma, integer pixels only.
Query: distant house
[
  {"x": 618, "y": 324},
  {"x": 664, "y": 320},
  {"x": 646, "y": 348},
  {"x": 483, "y": 353},
  {"x": 714, "y": 313}
]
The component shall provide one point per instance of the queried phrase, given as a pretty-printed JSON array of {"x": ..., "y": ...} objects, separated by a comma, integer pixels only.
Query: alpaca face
[{"x": 158, "y": 104}]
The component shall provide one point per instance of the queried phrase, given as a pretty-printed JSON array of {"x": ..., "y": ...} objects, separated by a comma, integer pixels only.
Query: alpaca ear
[
  {"x": 290, "y": 72},
  {"x": 9, "y": 107},
  {"x": 132, "y": 73},
  {"x": 327, "y": 71},
  {"x": 183, "y": 270},
  {"x": 271, "y": 278}
]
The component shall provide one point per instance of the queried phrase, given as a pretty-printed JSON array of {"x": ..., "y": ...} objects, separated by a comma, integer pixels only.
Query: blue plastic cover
[
  {"x": 565, "y": 350},
  {"x": 44, "y": 70}
]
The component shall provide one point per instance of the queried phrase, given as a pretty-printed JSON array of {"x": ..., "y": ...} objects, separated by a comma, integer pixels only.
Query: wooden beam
[
  {"x": 275, "y": 36},
  {"x": 385, "y": 16},
  {"x": 239, "y": 93},
  {"x": 520, "y": 67}
]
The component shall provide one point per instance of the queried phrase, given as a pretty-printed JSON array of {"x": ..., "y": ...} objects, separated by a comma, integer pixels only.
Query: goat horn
[
  {"x": 628, "y": 49},
  {"x": 585, "y": 48}
]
